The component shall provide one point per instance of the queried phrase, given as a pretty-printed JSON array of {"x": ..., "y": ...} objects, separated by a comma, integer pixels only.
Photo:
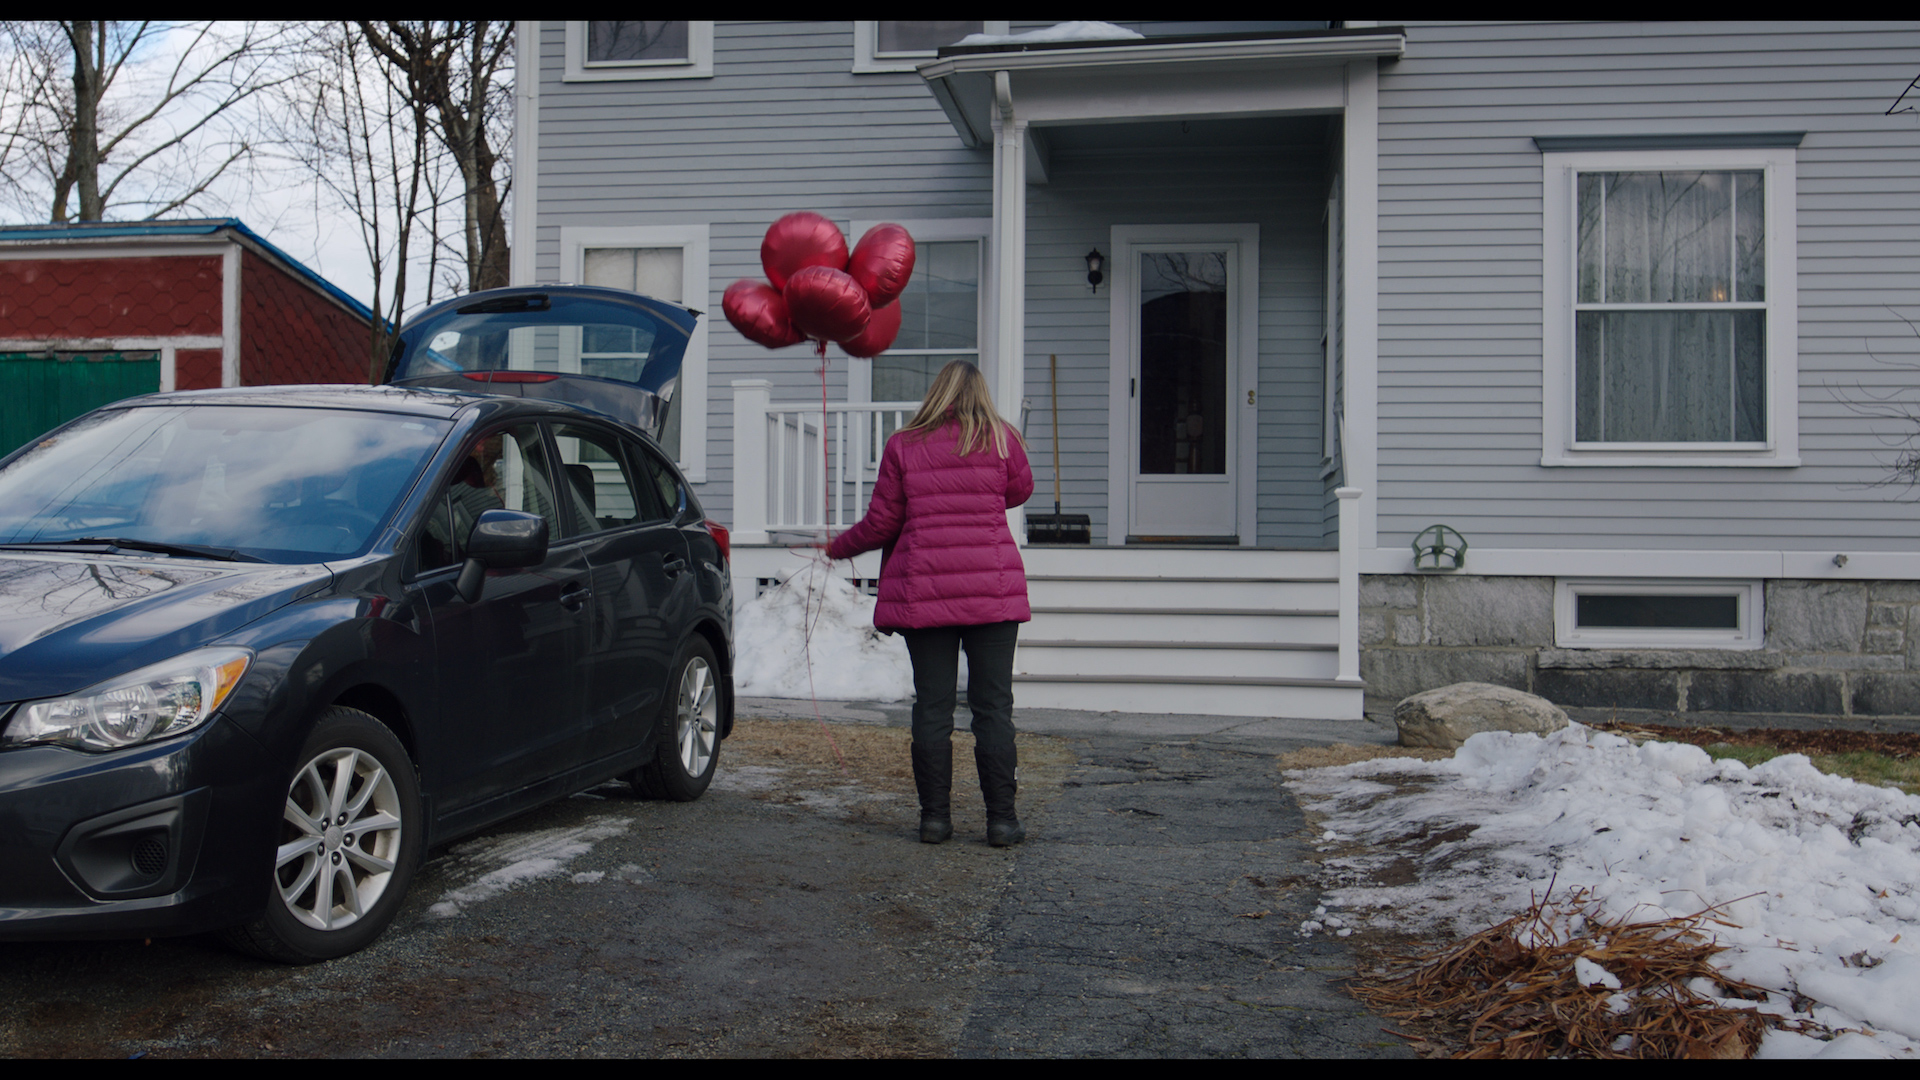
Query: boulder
[{"x": 1448, "y": 716}]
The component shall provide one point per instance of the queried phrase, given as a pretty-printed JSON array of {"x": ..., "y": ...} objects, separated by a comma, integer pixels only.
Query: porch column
[
  {"x": 1349, "y": 669},
  {"x": 750, "y": 400},
  {"x": 1008, "y": 376}
]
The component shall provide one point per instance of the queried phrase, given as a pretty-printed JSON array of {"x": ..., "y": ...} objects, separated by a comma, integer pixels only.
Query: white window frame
[
  {"x": 695, "y": 245},
  {"x": 1559, "y": 275},
  {"x": 928, "y": 230},
  {"x": 697, "y": 65},
  {"x": 867, "y": 61},
  {"x": 1567, "y": 634}
]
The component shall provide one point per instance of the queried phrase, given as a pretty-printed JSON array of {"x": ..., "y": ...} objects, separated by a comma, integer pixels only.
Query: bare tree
[
  {"x": 461, "y": 69},
  {"x": 367, "y": 145},
  {"x": 139, "y": 117}
]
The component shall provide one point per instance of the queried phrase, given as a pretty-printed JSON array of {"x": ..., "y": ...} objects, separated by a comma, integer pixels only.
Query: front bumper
[{"x": 169, "y": 838}]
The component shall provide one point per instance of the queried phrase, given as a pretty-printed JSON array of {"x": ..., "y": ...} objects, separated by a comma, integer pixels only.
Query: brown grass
[{"x": 1510, "y": 991}]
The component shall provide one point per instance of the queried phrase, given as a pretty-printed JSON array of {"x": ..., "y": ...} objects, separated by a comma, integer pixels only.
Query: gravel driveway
[{"x": 1153, "y": 911}]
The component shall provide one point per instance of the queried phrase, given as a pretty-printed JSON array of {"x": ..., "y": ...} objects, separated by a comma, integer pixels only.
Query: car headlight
[{"x": 154, "y": 702}]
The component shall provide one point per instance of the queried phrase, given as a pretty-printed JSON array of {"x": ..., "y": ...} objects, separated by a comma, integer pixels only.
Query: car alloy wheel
[
  {"x": 689, "y": 748},
  {"x": 343, "y": 831},
  {"x": 349, "y": 838},
  {"x": 697, "y": 713}
]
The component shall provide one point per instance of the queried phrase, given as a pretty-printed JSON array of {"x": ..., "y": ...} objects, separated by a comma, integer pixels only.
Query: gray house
[{"x": 1564, "y": 356}]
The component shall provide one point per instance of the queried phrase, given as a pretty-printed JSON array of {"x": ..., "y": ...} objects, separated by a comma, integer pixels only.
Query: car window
[
  {"x": 660, "y": 477},
  {"x": 503, "y": 470},
  {"x": 600, "y": 490}
]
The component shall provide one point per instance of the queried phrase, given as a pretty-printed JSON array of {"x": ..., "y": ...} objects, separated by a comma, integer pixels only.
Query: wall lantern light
[
  {"x": 1095, "y": 261},
  {"x": 1439, "y": 547}
]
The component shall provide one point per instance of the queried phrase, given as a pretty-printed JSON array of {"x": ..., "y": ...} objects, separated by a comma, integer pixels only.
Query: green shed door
[{"x": 41, "y": 391}]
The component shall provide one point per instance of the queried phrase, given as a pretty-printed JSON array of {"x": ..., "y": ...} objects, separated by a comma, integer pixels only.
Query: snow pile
[
  {"x": 1066, "y": 31},
  {"x": 817, "y": 623},
  {"x": 1819, "y": 875}
]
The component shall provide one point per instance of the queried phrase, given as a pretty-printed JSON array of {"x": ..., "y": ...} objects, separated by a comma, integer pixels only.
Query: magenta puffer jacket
[{"x": 947, "y": 557}]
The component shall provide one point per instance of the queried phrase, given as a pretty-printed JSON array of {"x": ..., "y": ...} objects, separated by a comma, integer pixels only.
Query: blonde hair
[{"x": 959, "y": 394}]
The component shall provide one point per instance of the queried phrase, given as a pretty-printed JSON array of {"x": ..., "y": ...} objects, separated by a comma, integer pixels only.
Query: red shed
[{"x": 98, "y": 311}]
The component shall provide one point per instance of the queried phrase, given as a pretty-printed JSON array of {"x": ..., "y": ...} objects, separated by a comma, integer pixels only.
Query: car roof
[{"x": 414, "y": 401}]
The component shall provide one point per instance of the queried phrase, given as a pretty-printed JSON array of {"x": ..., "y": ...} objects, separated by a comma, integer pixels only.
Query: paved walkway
[{"x": 1154, "y": 909}]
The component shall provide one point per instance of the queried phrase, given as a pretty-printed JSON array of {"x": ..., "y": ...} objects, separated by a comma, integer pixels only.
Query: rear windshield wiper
[{"x": 113, "y": 543}]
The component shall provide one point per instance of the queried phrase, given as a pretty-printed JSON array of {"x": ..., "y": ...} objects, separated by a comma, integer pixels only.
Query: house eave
[{"x": 963, "y": 83}]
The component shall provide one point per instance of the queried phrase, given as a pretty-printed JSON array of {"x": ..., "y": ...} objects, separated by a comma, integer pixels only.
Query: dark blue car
[{"x": 262, "y": 648}]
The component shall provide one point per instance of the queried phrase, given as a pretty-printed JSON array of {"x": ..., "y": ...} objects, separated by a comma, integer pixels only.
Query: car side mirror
[{"x": 500, "y": 540}]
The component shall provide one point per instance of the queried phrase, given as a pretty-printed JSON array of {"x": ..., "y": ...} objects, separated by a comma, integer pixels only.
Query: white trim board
[
  {"x": 1640, "y": 563},
  {"x": 526, "y": 151}
]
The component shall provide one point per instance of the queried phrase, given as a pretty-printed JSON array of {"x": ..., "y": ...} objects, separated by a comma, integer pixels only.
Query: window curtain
[{"x": 1693, "y": 240}]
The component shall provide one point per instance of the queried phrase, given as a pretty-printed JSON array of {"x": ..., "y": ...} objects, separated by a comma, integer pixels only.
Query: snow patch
[
  {"x": 509, "y": 860},
  {"x": 1815, "y": 878},
  {"x": 1066, "y": 31},
  {"x": 815, "y": 622}
]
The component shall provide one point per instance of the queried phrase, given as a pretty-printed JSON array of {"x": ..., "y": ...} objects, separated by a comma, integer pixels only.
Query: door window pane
[
  {"x": 599, "y": 491},
  {"x": 1182, "y": 392},
  {"x": 506, "y": 470},
  {"x": 616, "y": 41}
]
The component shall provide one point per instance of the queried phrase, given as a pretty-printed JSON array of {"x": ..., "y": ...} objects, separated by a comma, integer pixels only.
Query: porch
[{"x": 1171, "y": 628}]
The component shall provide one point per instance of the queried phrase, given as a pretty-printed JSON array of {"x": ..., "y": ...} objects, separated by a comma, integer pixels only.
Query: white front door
[{"x": 1183, "y": 308}]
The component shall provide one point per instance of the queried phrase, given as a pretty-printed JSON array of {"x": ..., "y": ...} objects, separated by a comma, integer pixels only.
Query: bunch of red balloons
[{"x": 820, "y": 291}]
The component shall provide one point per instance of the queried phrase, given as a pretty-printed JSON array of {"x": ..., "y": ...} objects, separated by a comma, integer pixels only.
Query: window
[
  {"x": 1670, "y": 329},
  {"x": 603, "y": 50},
  {"x": 939, "y": 313},
  {"x": 1627, "y": 614},
  {"x": 897, "y": 46},
  {"x": 597, "y": 491},
  {"x": 667, "y": 262}
]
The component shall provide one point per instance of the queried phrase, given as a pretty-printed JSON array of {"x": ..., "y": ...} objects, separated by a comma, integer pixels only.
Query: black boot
[
  {"x": 933, "y": 778},
  {"x": 997, "y": 785}
]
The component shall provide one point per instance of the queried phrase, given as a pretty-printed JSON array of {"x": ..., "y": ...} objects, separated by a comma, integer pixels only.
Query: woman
[{"x": 951, "y": 579}]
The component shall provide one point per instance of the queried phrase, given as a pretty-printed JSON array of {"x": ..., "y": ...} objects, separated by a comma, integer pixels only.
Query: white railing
[{"x": 816, "y": 466}]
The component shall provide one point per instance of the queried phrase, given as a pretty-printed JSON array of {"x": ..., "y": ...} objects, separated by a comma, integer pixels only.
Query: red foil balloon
[
  {"x": 878, "y": 336},
  {"x": 759, "y": 312},
  {"x": 798, "y": 241},
  {"x": 827, "y": 304},
  {"x": 882, "y": 262}
]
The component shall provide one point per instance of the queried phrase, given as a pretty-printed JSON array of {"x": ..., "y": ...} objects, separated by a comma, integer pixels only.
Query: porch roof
[{"x": 1189, "y": 75}]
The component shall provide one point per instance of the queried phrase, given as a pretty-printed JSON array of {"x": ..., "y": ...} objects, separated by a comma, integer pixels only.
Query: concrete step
[
  {"x": 1305, "y": 699},
  {"x": 1183, "y": 593},
  {"x": 1192, "y": 659},
  {"x": 1145, "y": 624}
]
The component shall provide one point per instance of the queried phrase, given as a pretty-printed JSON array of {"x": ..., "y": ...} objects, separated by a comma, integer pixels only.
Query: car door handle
[
  {"x": 575, "y": 596},
  {"x": 674, "y": 566}
]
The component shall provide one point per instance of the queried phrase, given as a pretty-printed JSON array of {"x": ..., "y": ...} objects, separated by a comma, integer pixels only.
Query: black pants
[{"x": 936, "y": 667}]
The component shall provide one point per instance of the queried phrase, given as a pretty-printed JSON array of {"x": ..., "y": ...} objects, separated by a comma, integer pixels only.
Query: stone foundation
[{"x": 1837, "y": 654}]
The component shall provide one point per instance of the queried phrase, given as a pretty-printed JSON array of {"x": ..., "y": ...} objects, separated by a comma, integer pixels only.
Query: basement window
[{"x": 1640, "y": 614}]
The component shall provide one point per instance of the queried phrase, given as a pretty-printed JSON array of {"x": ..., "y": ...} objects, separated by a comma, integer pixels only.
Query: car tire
[
  {"x": 688, "y": 750},
  {"x": 348, "y": 843}
]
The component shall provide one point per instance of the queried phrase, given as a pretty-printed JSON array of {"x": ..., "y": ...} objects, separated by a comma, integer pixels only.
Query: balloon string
[{"x": 809, "y": 617}]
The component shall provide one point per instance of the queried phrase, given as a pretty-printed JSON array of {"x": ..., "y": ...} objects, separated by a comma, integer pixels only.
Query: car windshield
[{"x": 279, "y": 484}]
